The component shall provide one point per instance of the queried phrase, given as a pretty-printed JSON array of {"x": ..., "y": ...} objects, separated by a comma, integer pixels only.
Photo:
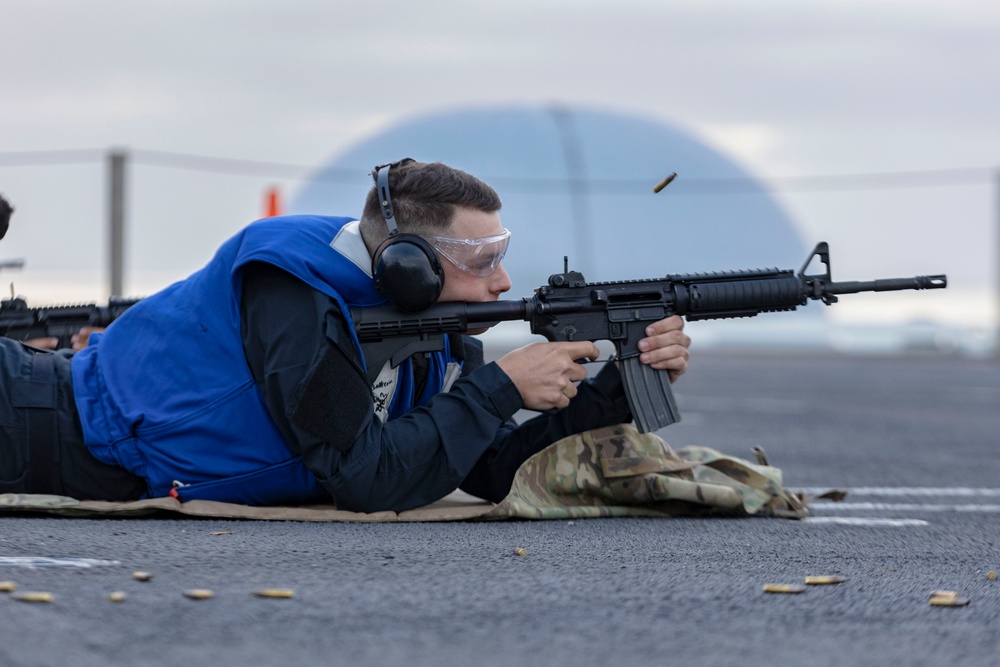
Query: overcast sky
[{"x": 786, "y": 88}]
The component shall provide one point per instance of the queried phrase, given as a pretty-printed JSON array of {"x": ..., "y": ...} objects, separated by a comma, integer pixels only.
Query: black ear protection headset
[{"x": 405, "y": 267}]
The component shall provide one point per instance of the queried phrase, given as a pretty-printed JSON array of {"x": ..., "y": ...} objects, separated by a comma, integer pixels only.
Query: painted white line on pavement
[
  {"x": 915, "y": 492},
  {"x": 908, "y": 491},
  {"x": 864, "y": 521},
  {"x": 901, "y": 507},
  {"x": 32, "y": 562}
]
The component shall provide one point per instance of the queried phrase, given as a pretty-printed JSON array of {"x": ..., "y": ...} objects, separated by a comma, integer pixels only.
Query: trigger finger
[
  {"x": 569, "y": 391},
  {"x": 586, "y": 350},
  {"x": 576, "y": 373}
]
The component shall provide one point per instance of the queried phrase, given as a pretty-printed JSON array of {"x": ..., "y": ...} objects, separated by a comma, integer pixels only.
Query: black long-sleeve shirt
[{"x": 301, "y": 355}]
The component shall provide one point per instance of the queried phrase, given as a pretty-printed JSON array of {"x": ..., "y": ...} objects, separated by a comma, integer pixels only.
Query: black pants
[{"x": 41, "y": 442}]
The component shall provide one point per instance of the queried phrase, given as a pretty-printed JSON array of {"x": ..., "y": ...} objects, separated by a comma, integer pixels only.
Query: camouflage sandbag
[{"x": 617, "y": 471}]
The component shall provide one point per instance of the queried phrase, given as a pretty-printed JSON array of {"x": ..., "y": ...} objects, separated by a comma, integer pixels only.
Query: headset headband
[{"x": 381, "y": 176}]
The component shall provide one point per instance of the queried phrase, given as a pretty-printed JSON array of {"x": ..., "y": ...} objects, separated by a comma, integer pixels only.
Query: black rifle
[
  {"x": 20, "y": 322},
  {"x": 570, "y": 309}
]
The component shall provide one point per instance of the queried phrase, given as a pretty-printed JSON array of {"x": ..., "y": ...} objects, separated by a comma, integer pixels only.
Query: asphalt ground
[{"x": 913, "y": 439}]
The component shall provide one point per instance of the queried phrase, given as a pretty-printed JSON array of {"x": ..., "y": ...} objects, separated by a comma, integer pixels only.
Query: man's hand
[
  {"x": 78, "y": 341},
  {"x": 47, "y": 343},
  {"x": 666, "y": 347},
  {"x": 81, "y": 338},
  {"x": 546, "y": 373}
]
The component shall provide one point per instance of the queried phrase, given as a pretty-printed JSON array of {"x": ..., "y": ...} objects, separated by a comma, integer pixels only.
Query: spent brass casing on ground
[{"x": 784, "y": 588}]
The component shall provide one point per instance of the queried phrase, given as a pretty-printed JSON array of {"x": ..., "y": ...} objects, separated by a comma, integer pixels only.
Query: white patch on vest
[
  {"x": 348, "y": 242},
  {"x": 383, "y": 390},
  {"x": 384, "y": 387},
  {"x": 451, "y": 373}
]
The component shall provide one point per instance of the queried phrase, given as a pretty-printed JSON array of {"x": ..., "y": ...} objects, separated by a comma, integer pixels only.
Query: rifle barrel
[{"x": 889, "y": 285}]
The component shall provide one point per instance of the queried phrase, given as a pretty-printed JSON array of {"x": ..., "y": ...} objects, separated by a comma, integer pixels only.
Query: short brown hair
[
  {"x": 424, "y": 198},
  {"x": 6, "y": 210}
]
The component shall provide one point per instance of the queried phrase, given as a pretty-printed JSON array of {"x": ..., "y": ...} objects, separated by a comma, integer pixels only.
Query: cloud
[
  {"x": 120, "y": 100},
  {"x": 755, "y": 144}
]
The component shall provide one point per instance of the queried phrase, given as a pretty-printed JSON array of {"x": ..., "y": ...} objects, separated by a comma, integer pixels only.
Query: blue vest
[{"x": 165, "y": 392}]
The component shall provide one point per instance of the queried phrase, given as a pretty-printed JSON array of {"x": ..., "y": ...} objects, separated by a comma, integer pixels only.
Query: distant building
[{"x": 579, "y": 182}]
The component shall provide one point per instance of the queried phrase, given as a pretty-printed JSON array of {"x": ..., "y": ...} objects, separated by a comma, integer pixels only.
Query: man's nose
[{"x": 501, "y": 280}]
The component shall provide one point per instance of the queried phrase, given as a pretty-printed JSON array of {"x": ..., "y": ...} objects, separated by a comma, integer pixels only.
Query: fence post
[{"x": 116, "y": 221}]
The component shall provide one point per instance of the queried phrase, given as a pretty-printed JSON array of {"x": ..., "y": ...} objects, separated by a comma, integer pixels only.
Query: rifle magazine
[{"x": 649, "y": 395}]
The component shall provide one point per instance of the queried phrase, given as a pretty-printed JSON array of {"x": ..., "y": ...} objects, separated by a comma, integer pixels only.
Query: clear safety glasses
[{"x": 480, "y": 257}]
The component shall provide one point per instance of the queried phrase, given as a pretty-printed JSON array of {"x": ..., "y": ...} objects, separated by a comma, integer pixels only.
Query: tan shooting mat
[{"x": 613, "y": 471}]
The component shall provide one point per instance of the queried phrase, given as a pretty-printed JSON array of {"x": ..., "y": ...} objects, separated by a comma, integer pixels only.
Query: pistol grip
[{"x": 649, "y": 395}]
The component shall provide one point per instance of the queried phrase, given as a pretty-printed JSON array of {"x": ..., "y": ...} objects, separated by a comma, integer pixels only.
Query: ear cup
[{"x": 407, "y": 271}]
